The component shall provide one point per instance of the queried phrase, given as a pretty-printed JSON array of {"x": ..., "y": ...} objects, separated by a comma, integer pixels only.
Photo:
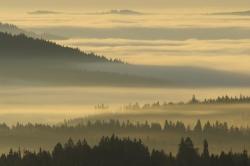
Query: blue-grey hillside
[{"x": 29, "y": 61}]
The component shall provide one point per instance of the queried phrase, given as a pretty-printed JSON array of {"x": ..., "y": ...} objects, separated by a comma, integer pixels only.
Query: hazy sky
[{"x": 137, "y": 4}]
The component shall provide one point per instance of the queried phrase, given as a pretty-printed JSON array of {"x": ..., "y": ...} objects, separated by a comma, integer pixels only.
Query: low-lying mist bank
[{"x": 54, "y": 104}]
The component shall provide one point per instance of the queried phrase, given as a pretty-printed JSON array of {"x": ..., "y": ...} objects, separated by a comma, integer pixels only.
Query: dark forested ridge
[
  {"x": 25, "y": 60},
  {"x": 22, "y": 46},
  {"x": 29, "y": 61},
  {"x": 113, "y": 151}
]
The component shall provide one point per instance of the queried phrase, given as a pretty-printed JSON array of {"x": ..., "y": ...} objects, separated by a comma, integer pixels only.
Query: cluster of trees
[
  {"x": 169, "y": 126},
  {"x": 101, "y": 107},
  {"x": 219, "y": 100},
  {"x": 113, "y": 151},
  {"x": 227, "y": 100}
]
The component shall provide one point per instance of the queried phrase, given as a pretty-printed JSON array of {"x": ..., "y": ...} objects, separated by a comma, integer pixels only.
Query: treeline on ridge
[
  {"x": 194, "y": 101},
  {"x": 116, "y": 125}
]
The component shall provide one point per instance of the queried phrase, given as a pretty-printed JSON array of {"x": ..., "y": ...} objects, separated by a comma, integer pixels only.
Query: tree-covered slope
[
  {"x": 29, "y": 61},
  {"x": 23, "y": 46},
  {"x": 35, "y": 61}
]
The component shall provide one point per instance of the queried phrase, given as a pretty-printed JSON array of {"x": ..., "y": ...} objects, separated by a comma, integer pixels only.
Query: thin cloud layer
[
  {"x": 239, "y": 13},
  {"x": 219, "y": 54},
  {"x": 118, "y": 12},
  {"x": 43, "y": 12},
  {"x": 152, "y": 33}
]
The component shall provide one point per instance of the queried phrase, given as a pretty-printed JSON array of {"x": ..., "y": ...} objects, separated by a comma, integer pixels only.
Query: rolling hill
[{"x": 28, "y": 61}]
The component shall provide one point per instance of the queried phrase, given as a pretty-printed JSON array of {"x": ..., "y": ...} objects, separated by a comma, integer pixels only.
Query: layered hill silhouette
[
  {"x": 28, "y": 61},
  {"x": 238, "y": 13},
  {"x": 43, "y": 12},
  {"x": 120, "y": 12}
]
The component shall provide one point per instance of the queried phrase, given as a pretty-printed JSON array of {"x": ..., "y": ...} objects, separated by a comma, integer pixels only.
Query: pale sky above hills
[{"x": 137, "y": 4}]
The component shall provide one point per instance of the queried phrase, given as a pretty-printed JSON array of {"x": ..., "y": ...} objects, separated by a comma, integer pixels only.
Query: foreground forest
[
  {"x": 113, "y": 151},
  {"x": 220, "y": 135}
]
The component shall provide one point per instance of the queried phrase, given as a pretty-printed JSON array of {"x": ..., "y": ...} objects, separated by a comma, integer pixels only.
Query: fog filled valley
[
  {"x": 124, "y": 86},
  {"x": 51, "y": 115}
]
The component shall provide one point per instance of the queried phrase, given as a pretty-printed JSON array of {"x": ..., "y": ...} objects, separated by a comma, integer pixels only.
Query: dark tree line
[
  {"x": 113, "y": 151},
  {"x": 219, "y": 100},
  {"x": 115, "y": 125},
  {"x": 222, "y": 100}
]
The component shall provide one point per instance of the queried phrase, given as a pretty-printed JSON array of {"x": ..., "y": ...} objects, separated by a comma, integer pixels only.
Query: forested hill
[
  {"x": 26, "y": 60},
  {"x": 23, "y": 46},
  {"x": 29, "y": 61}
]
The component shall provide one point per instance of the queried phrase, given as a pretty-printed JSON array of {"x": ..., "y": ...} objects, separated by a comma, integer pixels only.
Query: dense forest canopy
[
  {"x": 113, "y": 151},
  {"x": 221, "y": 135}
]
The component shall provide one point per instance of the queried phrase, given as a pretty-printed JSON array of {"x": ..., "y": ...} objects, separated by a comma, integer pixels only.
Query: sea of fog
[
  {"x": 170, "y": 37},
  {"x": 55, "y": 104}
]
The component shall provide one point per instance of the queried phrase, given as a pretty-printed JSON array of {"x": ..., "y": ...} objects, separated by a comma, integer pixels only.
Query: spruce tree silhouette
[{"x": 187, "y": 155}]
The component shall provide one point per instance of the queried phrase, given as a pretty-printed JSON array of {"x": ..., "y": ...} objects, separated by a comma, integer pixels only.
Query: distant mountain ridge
[
  {"x": 43, "y": 12},
  {"x": 239, "y": 13},
  {"x": 119, "y": 12}
]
